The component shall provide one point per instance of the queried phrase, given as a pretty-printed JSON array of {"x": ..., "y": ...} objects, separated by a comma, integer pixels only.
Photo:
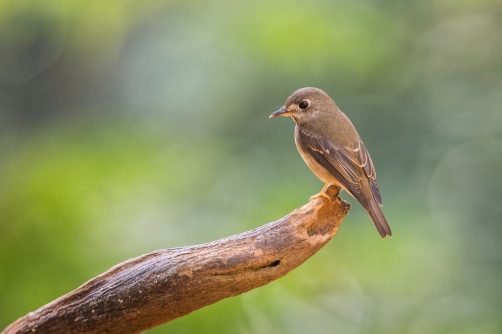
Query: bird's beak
[{"x": 280, "y": 112}]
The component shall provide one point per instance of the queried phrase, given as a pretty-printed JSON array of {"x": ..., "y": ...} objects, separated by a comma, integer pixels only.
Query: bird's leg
[{"x": 322, "y": 193}]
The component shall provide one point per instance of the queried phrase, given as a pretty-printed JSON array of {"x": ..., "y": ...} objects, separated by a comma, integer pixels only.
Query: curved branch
[{"x": 155, "y": 288}]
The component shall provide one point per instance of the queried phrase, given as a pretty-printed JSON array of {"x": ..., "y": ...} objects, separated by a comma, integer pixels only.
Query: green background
[{"x": 130, "y": 126}]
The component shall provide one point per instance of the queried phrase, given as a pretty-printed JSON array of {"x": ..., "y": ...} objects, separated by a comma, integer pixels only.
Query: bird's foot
[{"x": 322, "y": 193}]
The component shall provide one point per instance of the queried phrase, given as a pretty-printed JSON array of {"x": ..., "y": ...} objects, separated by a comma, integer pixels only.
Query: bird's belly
[{"x": 321, "y": 172}]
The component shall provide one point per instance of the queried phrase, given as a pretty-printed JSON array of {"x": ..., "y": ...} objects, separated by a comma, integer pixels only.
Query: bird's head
[{"x": 306, "y": 104}]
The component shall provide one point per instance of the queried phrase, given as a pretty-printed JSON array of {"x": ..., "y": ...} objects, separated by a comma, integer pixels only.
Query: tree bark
[{"x": 166, "y": 284}]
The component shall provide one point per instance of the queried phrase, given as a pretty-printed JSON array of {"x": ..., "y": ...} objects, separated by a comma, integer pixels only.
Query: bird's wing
[
  {"x": 369, "y": 170},
  {"x": 350, "y": 165}
]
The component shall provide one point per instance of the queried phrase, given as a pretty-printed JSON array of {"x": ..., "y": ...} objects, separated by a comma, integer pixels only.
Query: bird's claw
[{"x": 321, "y": 194}]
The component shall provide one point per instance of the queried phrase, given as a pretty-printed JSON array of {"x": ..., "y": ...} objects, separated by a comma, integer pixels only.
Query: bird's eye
[{"x": 303, "y": 105}]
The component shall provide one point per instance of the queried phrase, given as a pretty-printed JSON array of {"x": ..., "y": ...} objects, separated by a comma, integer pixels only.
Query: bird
[{"x": 331, "y": 147}]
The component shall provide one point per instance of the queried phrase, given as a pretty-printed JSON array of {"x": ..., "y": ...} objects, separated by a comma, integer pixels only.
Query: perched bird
[{"x": 331, "y": 147}]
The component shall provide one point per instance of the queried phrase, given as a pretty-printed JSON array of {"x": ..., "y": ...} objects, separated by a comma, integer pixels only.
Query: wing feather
[{"x": 349, "y": 165}]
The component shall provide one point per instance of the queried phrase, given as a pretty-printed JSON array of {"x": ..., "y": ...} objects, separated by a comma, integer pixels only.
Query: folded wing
[
  {"x": 350, "y": 165},
  {"x": 353, "y": 168}
]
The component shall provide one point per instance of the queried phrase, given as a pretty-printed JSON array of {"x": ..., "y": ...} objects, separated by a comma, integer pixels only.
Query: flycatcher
[{"x": 331, "y": 147}]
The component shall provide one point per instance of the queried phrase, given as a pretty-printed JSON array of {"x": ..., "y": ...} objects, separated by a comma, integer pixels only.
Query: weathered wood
[{"x": 155, "y": 288}]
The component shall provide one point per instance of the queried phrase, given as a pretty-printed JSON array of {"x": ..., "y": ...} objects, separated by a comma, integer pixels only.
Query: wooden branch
[{"x": 155, "y": 288}]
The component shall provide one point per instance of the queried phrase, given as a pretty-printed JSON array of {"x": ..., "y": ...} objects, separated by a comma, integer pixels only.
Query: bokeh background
[{"x": 130, "y": 126}]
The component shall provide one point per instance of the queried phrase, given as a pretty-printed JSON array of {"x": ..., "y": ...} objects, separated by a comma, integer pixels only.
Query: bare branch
[{"x": 155, "y": 288}]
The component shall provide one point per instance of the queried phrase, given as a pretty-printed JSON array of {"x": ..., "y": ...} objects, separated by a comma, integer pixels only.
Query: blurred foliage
[{"x": 130, "y": 126}]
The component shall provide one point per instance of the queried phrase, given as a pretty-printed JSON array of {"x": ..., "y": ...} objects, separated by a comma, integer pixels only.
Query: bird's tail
[{"x": 378, "y": 218}]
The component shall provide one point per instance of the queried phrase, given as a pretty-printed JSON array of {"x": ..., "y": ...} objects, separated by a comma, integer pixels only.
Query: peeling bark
[{"x": 166, "y": 284}]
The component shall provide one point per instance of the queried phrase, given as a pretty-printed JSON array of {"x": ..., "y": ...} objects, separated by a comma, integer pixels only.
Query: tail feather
[{"x": 378, "y": 218}]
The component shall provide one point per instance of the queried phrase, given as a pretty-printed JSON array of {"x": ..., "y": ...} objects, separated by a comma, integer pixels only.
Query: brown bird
[{"x": 331, "y": 147}]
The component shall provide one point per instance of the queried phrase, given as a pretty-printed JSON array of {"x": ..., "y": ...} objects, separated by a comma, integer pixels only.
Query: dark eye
[{"x": 303, "y": 105}]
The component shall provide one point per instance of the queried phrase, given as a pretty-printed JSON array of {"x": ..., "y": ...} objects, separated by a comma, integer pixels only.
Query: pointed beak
[{"x": 280, "y": 112}]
